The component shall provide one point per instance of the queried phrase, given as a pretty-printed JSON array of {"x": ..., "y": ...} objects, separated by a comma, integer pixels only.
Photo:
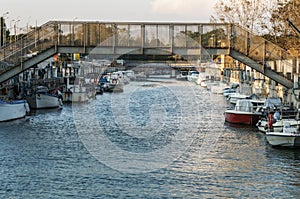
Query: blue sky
[{"x": 38, "y": 12}]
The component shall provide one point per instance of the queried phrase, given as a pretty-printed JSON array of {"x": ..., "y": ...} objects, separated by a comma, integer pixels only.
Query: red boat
[{"x": 244, "y": 112}]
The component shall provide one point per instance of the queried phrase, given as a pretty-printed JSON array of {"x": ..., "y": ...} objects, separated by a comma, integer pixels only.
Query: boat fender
[
  {"x": 27, "y": 107},
  {"x": 60, "y": 102}
]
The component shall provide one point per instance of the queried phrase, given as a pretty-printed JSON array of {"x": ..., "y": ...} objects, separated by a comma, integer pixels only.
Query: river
[{"x": 157, "y": 139}]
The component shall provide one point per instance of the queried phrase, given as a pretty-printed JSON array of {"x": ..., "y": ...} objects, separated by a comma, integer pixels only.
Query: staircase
[
  {"x": 27, "y": 51},
  {"x": 259, "y": 54}
]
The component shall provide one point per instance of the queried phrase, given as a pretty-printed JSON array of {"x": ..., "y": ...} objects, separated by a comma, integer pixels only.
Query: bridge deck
[{"x": 192, "y": 41}]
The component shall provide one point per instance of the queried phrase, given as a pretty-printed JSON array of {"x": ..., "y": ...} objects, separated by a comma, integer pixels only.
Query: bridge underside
[
  {"x": 100, "y": 52},
  {"x": 119, "y": 51},
  {"x": 104, "y": 52}
]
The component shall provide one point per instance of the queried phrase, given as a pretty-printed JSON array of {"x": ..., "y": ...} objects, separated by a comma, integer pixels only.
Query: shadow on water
[
  {"x": 239, "y": 126},
  {"x": 283, "y": 152},
  {"x": 35, "y": 112},
  {"x": 272, "y": 151}
]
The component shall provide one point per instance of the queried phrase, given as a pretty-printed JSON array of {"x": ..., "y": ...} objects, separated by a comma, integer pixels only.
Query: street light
[
  {"x": 3, "y": 28},
  {"x": 10, "y": 29},
  {"x": 15, "y": 28},
  {"x": 73, "y": 29},
  {"x": 27, "y": 25}
]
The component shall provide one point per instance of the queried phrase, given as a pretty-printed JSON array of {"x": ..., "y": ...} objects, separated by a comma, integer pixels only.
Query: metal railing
[{"x": 141, "y": 35}]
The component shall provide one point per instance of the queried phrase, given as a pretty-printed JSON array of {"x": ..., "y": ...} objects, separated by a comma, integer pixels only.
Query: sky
[{"x": 38, "y": 12}]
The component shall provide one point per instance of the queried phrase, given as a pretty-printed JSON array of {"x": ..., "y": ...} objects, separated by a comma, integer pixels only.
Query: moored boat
[
  {"x": 233, "y": 97},
  {"x": 192, "y": 76},
  {"x": 77, "y": 90},
  {"x": 79, "y": 94},
  {"x": 111, "y": 84},
  {"x": 263, "y": 124},
  {"x": 182, "y": 76},
  {"x": 275, "y": 115},
  {"x": 41, "y": 99},
  {"x": 11, "y": 110},
  {"x": 228, "y": 91},
  {"x": 288, "y": 137},
  {"x": 244, "y": 112}
]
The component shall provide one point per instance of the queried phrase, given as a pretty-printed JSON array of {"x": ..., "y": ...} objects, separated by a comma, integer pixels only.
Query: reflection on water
[{"x": 46, "y": 155}]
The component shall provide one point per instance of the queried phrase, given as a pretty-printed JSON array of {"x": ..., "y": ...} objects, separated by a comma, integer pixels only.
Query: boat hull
[
  {"x": 282, "y": 139},
  {"x": 242, "y": 117},
  {"x": 110, "y": 87},
  {"x": 262, "y": 125},
  {"x": 78, "y": 96},
  {"x": 13, "y": 110},
  {"x": 40, "y": 101}
]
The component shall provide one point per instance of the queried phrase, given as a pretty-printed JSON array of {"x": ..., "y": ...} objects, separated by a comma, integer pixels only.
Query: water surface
[{"x": 155, "y": 140}]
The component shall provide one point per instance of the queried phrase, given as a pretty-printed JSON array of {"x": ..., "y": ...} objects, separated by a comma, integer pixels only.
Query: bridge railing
[
  {"x": 143, "y": 35},
  {"x": 112, "y": 35},
  {"x": 146, "y": 35},
  {"x": 28, "y": 45},
  {"x": 262, "y": 51}
]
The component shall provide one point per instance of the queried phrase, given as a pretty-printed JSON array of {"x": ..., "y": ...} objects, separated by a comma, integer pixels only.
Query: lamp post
[
  {"x": 27, "y": 25},
  {"x": 3, "y": 28},
  {"x": 10, "y": 29},
  {"x": 73, "y": 30},
  {"x": 15, "y": 29}
]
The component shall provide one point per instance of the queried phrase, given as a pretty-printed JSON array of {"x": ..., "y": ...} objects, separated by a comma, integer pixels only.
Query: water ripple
[{"x": 44, "y": 156}]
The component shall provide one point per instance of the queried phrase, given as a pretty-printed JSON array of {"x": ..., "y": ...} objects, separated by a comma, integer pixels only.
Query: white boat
[
  {"x": 111, "y": 84},
  {"x": 76, "y": 93},
  {"x": 193, "y": 76},
  {"x": 263, "y": 124},
  {"x": 78, "y": 90},
  {"x": 233, "y": 97},
  {"x": 130, "y": 74},
  {"x": 11, "y": 110},
  {"x": 182, "y": 76},
  {"x": 42, "y": 99},
  {"x": 288, "y": 137},
  {"x": 286, "y": 115},
  {"x": 228, "y": 91},
  {"x": 218, "y": 87},
  {"x": 203, "y": 84}
]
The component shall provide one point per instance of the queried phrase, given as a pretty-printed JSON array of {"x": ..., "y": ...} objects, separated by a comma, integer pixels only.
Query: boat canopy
[
  {"x": 245, "y": 105},
  {"x": 273, "y": 102}
]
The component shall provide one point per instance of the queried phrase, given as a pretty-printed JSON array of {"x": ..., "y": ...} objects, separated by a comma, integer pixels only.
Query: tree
[
  {"x": 251, "y": 14},
  {"x": 285, "y": 22}
]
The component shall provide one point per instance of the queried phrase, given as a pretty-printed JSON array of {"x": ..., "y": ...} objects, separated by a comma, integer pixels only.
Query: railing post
[
  {"x": 84, "y": 32},
  {"x": 185, "y": 35},
  {"x": 231, "y": 35},
  {"x": 264, "y": 56},
  {"x": 200, "y": 30},
  {"x": 21, "y": 54},
  {"x": 72, "y": 38},
  {"x": 171, "y": 36},
  {"x": 248, "y": 43},
  {"x": 57, "y": 32},
  {"x": 115, "y": 38},
  {"x": 143, "y": 38}
]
